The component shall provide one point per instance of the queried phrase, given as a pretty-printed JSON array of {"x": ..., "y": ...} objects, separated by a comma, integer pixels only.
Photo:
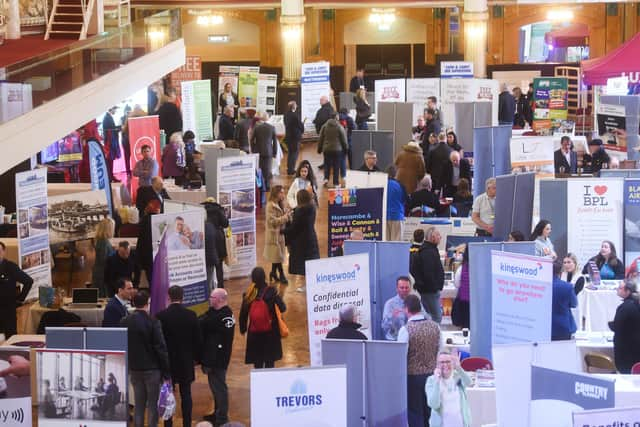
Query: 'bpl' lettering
[{"x": 590, "y": 199}]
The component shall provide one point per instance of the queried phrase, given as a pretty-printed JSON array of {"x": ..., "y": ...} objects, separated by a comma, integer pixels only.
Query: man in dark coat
[
  {"x": 325, "y": 113},
  {"x": 182, "y": 334},
  {"x": 597, "y": 157},
  {"x": 456, "y": 169},
  {"x": 433, "y": 126},
  {"x": 226, "y": 127},
  {"x": 426, "y": 268},
  {"x": 357, "y": 81},
  {"x": 294, "y": 128},
  {"x": 116, "y": 308},
  {"x": 217, "y": 218},
  {"x": 241, "y": 133},
  {"x": 121, "y": 265},
  {"x": 217, "y": 327},
  {"x": 626, "y": 338},
  {"x": 169, "y": 115},
  {"x": 265, "y": 143},
  {"x": 436, "y": 164},
  {"x": 154, "y": 192},
  {"x": 347, "y": 329},
  {"x": 144, "y": 248},
  {"x": 10, "y": 275},
  {"x": 565, "y": 157},
  {"x": 506, "y": 106}
]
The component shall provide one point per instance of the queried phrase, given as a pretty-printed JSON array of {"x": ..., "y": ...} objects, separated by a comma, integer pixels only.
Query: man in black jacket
[
  {"x": 10, "y": 275},
  {"x": 215, "y": 250},
  {"x": 226, "y": 126},
  {"x": 265, "y": 143},
  {"x": 147, "y": 358},
  {"x": 169, "y": 115},
  {"x": 347, "y": 329},
  {"x": 426, "y": 268},
  {"x": 294, "y": 128},
  {"x": 121, "y": 264},
  {"x": 325, "y": 113},
  {"x": 506, "y": 106},
  {"x": 182, "y": 334},
  {"x": 155, "y": 192},
  {"x": 437, "y": 162},
  {"x": 456, "y": 169},
  {"x": 217, "y": 326},
  {"x": 116, "y": 308},
  {"x": 357, "y": 81}
]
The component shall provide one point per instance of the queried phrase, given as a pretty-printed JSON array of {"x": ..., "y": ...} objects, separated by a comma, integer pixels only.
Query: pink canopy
[{"x": 624, "y": 59}]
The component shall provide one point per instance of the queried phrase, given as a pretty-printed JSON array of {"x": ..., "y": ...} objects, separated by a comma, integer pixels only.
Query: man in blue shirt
[{"x": 564, "y": 299}]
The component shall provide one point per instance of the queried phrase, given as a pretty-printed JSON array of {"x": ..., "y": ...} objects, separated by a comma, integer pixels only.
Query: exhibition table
[
  {"x": 596, "y": 308},
  {"x": 187, "y": 196},
  {"x": 92, "y": 316}
]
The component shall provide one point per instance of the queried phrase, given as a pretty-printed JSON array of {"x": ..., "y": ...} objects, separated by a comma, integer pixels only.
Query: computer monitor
[{"x": 84, "y": 296}]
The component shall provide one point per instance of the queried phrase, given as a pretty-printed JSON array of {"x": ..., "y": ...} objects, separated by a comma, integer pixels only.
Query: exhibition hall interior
[{"x": 318, "y": 213}]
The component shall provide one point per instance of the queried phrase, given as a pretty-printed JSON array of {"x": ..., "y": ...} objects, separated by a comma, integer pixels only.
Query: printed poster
[
  {"x": 418, "y": 91},
  {"x": 631, "y": 222},
  {"x": 15, "y": 100},
  {"x": 15, "y": 403},
  {"x": 332, "y": 283},
  {"x": 191, "y": 70},
  {"x": 628, "y": 416},
  {"x": 594, "y": 214},
  {"x": 456, "y": 70},
  {"x": 75, "y": 216},
  {"x": 314, "y": 84},
  {"x": 248, "y": 87},
  {"x": 81, "y": 388},
  {"x": 612, "y": 126},
  {"x": 532, "y": 154},
  {"x": 237, "y": 195},
  {"x": 550, "y": 104},
  {"x": 33, "y": 228},
  {"x": 392, "y": 90},
  {"x": 267, "y": 88},
  {"x": 178, "y": 244},
  {"x": 143, "y": 131},
  {"x": 353, "y": 209},
  {"x": 521, "y": 295},
  {"x": 196, "y": 109},
  {"x": 227, "y": 74}
]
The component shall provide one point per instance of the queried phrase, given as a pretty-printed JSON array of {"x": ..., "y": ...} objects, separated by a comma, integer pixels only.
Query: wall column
[
  {"x": 13, "y": 20},
  {"x": 292, "y": 29},
  {"x": 475, "y": 19}
]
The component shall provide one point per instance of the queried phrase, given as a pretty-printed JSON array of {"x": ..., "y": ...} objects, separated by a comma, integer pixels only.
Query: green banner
[
  {"x": 550, "y": 104},
  {"x": 248, "y": 86},
  {"x": 202, "y": 101}
]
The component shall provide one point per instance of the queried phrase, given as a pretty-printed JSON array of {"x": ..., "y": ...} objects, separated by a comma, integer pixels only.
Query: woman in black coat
[
  {"x": 144, "y": 245},
  {"x": 626, "y": 338},
  {"x": 263, "y": 348},
  {"x": 216, "y": 217},
  {"x": 363, "y": 109},
  {"x": 300, "y": 234}
]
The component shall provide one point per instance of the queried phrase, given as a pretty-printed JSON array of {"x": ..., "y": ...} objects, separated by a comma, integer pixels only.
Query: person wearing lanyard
[
  {"x": 484, "y": 209},
  {"x": 10, "y": 274}
]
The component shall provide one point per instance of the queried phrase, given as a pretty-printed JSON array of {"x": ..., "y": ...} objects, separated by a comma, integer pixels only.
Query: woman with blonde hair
[
  {"x": 104, "y": 249},
  {"x": 446, "y": 393},
  {"x": 277, "y": 215},
  {"x": 363, "y": 109},
  {"x": 571, "y": 272}
]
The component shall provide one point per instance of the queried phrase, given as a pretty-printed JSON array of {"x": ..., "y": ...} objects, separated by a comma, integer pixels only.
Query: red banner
[{"x": 143, "y": 131}]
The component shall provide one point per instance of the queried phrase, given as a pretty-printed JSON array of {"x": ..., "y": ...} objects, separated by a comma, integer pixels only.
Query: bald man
[
  {"x": 217, "y": 325},
  {"x": 456, "y": 169},
  {"x": 154, "y": 191}
]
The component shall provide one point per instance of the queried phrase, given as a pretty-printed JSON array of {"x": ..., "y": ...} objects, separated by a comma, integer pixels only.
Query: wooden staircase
[{"x": 69, "y": 19}]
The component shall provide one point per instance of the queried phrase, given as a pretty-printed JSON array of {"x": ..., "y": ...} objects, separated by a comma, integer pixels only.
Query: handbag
[
  {"x": 284, "y": 329},
  {"x": 230, "y": 244}
]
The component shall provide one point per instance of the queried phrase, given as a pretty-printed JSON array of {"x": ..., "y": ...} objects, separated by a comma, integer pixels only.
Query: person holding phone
[
  {"x": 304, "y": 180},
  {"x": 446, "y": 393}
]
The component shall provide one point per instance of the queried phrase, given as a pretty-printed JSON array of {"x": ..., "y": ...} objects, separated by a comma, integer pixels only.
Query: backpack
[{"x": 259, "y": 316}]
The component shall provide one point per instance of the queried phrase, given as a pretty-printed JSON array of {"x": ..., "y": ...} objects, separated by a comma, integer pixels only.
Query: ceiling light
[
  {"x": 383, "y": 18},
  {"x": 560, "y": 15},
  {"x": 210, "y": 20}
]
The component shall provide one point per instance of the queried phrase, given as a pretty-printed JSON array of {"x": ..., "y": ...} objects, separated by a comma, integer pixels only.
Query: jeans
[
  {"x": 292, "y": 158},
  {"x": 146, "y": 389},
  {"x": 362, "y": 125},
  {"x": 332, "y": 163},
  {"x": 186, "y": 404},
  {"x": 431, "y": 303},
  {"x": 218, "y": 384},
  {"x": 418, "y": 411}
]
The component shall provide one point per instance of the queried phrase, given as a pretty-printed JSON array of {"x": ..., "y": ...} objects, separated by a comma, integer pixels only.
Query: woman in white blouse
[{"x": 540, "y": 237}]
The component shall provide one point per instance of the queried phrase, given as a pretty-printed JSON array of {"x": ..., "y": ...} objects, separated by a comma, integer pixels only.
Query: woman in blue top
[
  {"x": 540, "y": 237},
  {"x": 610, "y": 266}
]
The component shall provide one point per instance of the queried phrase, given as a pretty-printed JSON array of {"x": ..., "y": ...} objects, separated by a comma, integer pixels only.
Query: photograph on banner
[
  {"x": 143, "y": 131},
  {"x": 612, "y": 126},
  {"x": 550, "y": 104},
  {"x": 521, "y": 298},
  {"x": 15, "y": 386},
  {"x": 267, "y": 85},
  {"x": 33, "y": 228},
  {"x": 248, "y": 87},
  {"x": 70, "y": 148},
  {"x": 418, "y": 91},
  {"x": 310, "y": 397},
  {"x": 228, "y": 74},
  {"x": 594, "y": 214},
  {"x": 556, "y": 395},
  {"x": 613, "y": 417},
  {"x": 314, "y": 84},
  {"x": 191, "y": 70},
  {"x": 196, "y": 109},
  {"x": 75, "y": 216},
  {"x": 391, "y": 90},
  {"x": 332, "y": 283},
  {"x": 352, "y": 209},
  {"x": 237, "y": 195},
  {"x": 532, "y": 154},
  {"x": 632, "y": 224},
  {"x": 87, "y": 388}
]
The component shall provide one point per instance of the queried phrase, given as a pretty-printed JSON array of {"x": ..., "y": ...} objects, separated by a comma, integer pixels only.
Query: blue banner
[
  {"x": 631, "y": 223},
  {"x": 99, "y": 173}
]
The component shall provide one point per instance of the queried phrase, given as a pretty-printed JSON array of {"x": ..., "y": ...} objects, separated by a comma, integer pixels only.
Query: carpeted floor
[{"x": 13, "y": 51}]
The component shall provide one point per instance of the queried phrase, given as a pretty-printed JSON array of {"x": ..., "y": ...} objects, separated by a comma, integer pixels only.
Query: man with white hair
[
  {"x": 457, "y": 168},
  {"x": 484, "y": 209},
  {"x": 506, "y": 106},
  {"x": 226, "y": 126},
  {"x": 347, "y": 329}
]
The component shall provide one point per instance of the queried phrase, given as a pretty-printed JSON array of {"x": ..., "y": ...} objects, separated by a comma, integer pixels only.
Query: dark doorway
[{"x": 384, "y": 61}]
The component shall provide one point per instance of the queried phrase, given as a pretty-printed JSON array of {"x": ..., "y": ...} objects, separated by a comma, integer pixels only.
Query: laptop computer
[{"x": 84, "y": 297}]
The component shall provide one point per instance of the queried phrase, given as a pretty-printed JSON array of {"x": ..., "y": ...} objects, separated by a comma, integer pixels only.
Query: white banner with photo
[
  {"x": 418, "y": 91},
  {"x": 532, "y": 154},
  {"x": 332, "y": 283},
  {"x": 75, "y": 216},
  {"x": 267, "y": 89},
  {"x": 237, "y": 195},
  {"x": 594, "y": 214},
  {"x": 15, "y": 386},
  {"x": 33, "y": 228}
]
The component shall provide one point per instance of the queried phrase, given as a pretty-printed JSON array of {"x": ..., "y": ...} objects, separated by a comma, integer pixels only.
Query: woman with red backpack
[{"x": 259, "y": 320}]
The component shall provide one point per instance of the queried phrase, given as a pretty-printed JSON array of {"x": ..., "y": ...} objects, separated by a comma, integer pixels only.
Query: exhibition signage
[
  {"x": 392, "y": 90},
  {"x": 15, "y": 404},
  {"x": 612, "y": 126},
  {"x": 237, "y": 195},
  {"x": 556, "y": 394},
  {"x": 611, "y": 417},
  {"x": 532, "y": 154},
  {"x": 418, "y": 91},
  {"x": 99, "y": 172},
  {"x": 15, "y": 100},
  {"x": 143, "y": 131},
  {"x": 75, "y": 216},
  {"x": 550, "y": 104},
  {"x": 314, "y": 83},
  {"x": 521, "y": 298},
  {"x": 196, "y": 109},
  {"x": 191, "y": 70},
  {"x": 468, "y": 90},
  {"x": 267, "y": 85},
  {"x": 227, "y": 74},
  {"x": 299, "y": 397},
  {"x": 456, "y": 69},
  {"x": 332, "y": 283},
  {"x": 33, "y": 228},
  {"x": 594, "y": 214},
  {"x": 248, "y": 87},
  {"x": 631, "y": 221},
  {"x": 178, "y": 245},
  {"x": 354, "y": 209}
]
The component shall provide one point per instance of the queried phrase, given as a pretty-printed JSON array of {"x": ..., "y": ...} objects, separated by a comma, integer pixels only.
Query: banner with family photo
[
  {"x": 82, "y": 388},
  {"x": 551, "y": 106},
  {"x": 75, "y": 216},
  {"x": 196, "y": 109},
  {"x": 267, "y": 85},
  {"x": 612, "y": 126},
  {"x": 179, "y": 259},
  {"x": 15, "y": 386},
  {"x": 33, "y": 228},
  {"x": 353, "y": 209},
  {"x": 237, "y": 195}
]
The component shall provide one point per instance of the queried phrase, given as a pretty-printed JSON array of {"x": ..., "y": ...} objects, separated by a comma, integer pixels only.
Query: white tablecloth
[
  {"x": 596, "y": 308},
  {"x": 187, "y": 196}
]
